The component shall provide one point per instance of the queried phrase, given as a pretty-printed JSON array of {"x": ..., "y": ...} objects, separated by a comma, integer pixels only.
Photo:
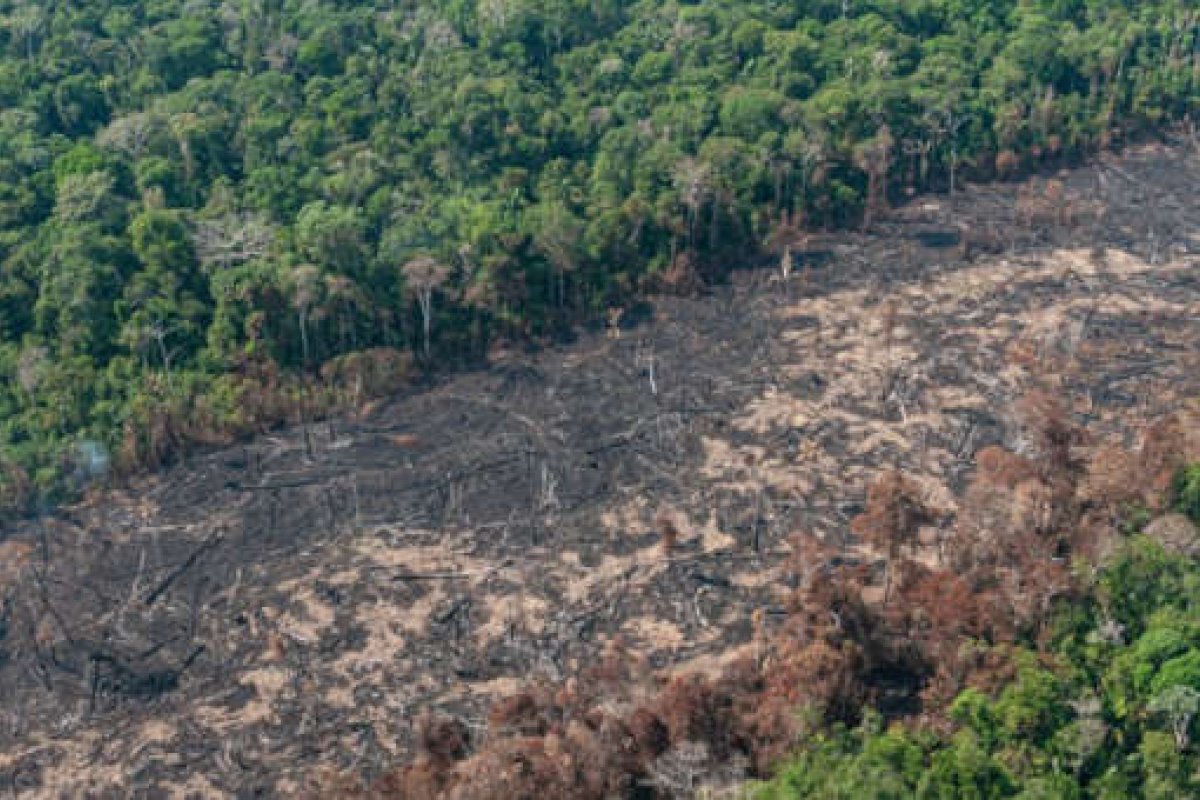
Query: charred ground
[{"x": 235, "y": 623}]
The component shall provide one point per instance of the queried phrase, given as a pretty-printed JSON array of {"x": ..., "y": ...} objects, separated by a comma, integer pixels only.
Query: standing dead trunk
[
  {"x": 302, "y": 319},
  {"x": 425, "y": 276},
  {"x": 425, "y": 299}
]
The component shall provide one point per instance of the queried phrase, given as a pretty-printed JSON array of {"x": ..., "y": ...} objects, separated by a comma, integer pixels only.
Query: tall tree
[{"x": 423, "y": 277}]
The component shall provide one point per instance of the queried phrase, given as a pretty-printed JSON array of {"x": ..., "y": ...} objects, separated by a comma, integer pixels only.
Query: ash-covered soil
[{"x": 238, "y": 623}]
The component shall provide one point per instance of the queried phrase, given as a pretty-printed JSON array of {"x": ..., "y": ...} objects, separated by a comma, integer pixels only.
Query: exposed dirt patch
[{"x": 233, "y": 624}]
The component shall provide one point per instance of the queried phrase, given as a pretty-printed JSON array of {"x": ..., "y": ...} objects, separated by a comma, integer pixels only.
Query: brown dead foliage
[
  {"x": 683, "y": 277},
  {"x": 668, "y": 531},
  {"x": 523, "y": 713},
  {"x": 893, "y": 518},
  {"x": 895, "y": 512},
  {"x": 442, "y": 741},
  {"x": 1054, "y": 435},
  {"x": 369, "y": 373},
  {"x": 442, "y": 738}
]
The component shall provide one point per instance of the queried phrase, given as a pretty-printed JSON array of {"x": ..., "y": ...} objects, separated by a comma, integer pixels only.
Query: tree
[
  {"x": 28, "y": 22},
  {"x": 1179, "y": 705},
  {"x": 693, "y": 182},
  {"x": 80, "y": 278},
  {"x": 231, "y": 239},
  {"x": 893, "y": 518},
  {"x": 305, "y": 284},
  {"x": 423, "y": 276},
  {"x": 941, "y": 87},
  {"x": 87, "y": 198},
  {"x": 557, "y": 235},
  {"x": 331, "y": 236},
  {"x": 874, "y": 157}
]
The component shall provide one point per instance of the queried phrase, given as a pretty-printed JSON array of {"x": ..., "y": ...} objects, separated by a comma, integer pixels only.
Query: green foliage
[
  {"x": 1113, "y": 719},
  {"x": 1185, "y": 492},
  {"x": 852, "y": 764},
  {"x": 164, "y": 166}
]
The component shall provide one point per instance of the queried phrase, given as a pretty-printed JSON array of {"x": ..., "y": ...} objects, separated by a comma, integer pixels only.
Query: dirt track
[{"x": 232, "y": 625}]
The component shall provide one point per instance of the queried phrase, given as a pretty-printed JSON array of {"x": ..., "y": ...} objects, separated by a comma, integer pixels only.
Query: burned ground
[{"x": 238, "y": 622}]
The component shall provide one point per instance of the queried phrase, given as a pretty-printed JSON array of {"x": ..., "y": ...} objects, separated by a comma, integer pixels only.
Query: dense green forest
[{"x": 217, "y": 216}]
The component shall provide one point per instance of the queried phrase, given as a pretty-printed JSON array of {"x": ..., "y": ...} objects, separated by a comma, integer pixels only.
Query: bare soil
[{"x": 232, "y": 625}]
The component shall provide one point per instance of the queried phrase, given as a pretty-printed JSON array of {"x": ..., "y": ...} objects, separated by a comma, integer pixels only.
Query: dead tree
[
  {"x": 424, "y": 276},
  {"x": 893, "y": 518}
]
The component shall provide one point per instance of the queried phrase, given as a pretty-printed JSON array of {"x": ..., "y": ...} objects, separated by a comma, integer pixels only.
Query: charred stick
[
  {"x": 455, "y": 610},
  {"x": 432, "y": 576},
  {"x": 213, "y": 540}
]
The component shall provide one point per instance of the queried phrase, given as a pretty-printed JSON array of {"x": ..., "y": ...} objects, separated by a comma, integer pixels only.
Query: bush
[{"x": 1185, "y": 492}]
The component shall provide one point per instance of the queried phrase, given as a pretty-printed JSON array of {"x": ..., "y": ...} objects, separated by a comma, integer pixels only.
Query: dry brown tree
[{"x": 893, "y": 519}]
